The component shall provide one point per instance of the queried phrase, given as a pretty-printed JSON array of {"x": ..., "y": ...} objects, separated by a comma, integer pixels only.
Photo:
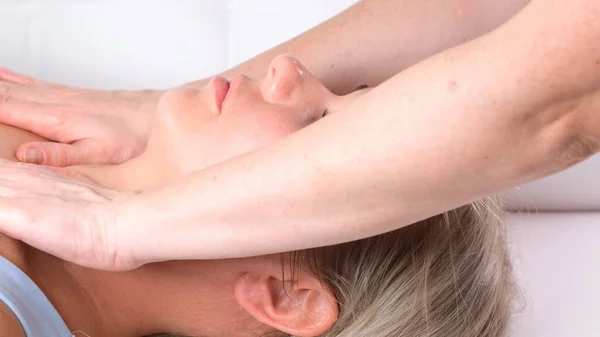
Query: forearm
[
  {"x": 375, "y": 39},
  {"x": 469, "y": 122}
]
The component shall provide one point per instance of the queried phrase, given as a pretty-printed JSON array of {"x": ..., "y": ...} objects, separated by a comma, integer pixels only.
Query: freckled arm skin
[
  {"x": 376, "y": 39},
  {"x": 366, "y": 44},
  {"x": 509, "y": 107}
]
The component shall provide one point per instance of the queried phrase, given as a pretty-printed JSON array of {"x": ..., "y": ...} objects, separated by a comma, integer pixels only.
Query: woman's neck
[
  {"x": 136, "y": 174},
  {"x": 99, "y": 303}
]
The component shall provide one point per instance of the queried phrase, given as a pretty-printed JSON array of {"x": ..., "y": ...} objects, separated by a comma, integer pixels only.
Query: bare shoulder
[
  {"x": 9, "y": 325},
  {"x": 10, "y": 139},
  {"x": 13, "y": 251}
]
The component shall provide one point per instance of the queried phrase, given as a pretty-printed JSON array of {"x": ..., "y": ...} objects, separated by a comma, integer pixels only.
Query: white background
[{"x": 159, "y": 43}]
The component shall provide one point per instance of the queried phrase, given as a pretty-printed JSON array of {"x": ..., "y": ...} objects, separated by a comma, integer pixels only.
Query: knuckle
[
  {"x": 22, "y": 216},
  {"x": 54, "y": 115},
  {"x": 25, "y": 213},
  {"x": 4, "y": 90},
  {"x": 59, "y": 157},
  {"x": 5, "y": 100}
]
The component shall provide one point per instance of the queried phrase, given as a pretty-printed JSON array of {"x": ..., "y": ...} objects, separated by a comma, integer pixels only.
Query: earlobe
[{"x": 302, "y": 307}]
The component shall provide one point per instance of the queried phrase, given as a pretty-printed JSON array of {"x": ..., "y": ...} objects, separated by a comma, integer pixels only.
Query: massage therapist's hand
[
  {"x": 70, "y": 219},
  {"x": 88, "y": 126}
]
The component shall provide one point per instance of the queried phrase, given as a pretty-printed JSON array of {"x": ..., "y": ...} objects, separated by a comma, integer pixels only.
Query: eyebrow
[{"x": 361, "y": 87}]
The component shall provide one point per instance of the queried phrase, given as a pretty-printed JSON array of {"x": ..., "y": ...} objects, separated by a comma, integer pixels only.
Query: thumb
[{"x": 55, "y": 154}]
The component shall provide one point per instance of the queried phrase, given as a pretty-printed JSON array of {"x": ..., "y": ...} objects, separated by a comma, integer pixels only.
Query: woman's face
[{"x": 197, "y": 128}]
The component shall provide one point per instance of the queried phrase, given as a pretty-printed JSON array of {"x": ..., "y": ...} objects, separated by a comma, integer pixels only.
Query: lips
[{"x": 220, "y": 86}]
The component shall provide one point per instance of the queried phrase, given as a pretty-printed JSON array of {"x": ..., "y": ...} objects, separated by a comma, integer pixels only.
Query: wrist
[
  {"x": 136, "y": 230},
  {"x": 123, "y": 227},
  {"x": 144, "y": 101},
  {"x": 139, "y": 107}
]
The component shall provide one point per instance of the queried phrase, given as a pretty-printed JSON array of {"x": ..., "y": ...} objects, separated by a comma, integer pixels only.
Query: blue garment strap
[{"x": 29, "y": 304}]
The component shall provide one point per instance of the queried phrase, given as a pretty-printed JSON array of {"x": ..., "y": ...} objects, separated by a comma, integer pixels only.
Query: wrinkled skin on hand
[
  {"x": 86, "y": 126},
  {"x": 70, "y": 219}
]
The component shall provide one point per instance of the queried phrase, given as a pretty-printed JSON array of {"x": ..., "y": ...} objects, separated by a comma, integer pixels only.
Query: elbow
[
  {"x": 572, "y": 137},
  {"x": 575, "y": 145},
  {"x": 581, "y": 130},
  {"x": 555, "y": 139}
]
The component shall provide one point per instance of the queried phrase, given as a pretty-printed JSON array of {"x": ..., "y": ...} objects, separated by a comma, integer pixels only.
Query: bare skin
[
  {"x": 476, "y": 119},
  {"x": 111, "y": 127},
  {"x": 256, "y": 114}
]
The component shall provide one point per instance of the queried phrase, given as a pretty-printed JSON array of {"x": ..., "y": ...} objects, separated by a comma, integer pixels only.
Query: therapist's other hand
[
  {"x": 87, "y": 126},
  {"x": 69, "y": 219}
]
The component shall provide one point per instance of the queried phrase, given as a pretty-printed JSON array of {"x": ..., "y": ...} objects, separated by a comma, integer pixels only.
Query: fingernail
[{"x": 33, "y": 156}]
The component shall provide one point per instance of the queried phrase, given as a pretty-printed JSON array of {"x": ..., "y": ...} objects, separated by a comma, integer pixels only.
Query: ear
[{"x": 303, "y": 307}]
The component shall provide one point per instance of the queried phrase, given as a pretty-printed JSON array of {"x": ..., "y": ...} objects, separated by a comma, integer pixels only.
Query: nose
[{"x": 285, "y": 76}]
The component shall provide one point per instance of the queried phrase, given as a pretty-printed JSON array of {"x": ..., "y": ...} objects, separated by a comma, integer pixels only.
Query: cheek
[
  {"x": 183, "y": 109},
  {"x": 251, "y": 120},
  {"x": 254, "y": 133}
]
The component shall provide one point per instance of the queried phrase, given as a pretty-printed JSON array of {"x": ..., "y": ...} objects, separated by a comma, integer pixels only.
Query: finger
[
  {"x": 15, "y": 221},
  {"x": 14, "y": 77},
  {"x": 57, "y": 154},
  {"x": 12, "y": 90},
  {"x": 34, "y": 222},
  {"x": 37, "y": 118}
]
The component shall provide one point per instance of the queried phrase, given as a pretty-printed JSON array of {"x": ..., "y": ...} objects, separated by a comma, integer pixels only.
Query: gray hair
[{"x": 446, "y": 276}]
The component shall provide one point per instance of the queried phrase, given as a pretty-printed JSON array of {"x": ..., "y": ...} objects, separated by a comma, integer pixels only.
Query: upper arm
[
  {"x": 376, "y": 39},
  {"x": 9, "y": 325}
]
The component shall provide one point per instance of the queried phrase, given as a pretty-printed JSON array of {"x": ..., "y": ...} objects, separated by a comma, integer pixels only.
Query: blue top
[{"x": 29, "y": 304}]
